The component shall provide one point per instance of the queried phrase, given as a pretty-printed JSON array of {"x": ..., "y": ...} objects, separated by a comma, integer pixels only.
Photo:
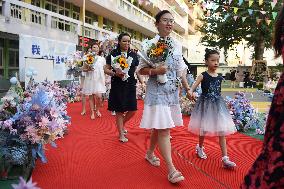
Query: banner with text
[{"x": 37, "y": 47}]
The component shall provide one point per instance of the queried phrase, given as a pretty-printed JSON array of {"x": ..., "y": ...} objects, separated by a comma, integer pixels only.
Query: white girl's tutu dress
[{"x": 210, "y": 115}]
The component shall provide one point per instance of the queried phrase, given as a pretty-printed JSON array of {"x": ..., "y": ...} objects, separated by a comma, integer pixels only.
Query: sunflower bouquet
[
  {"x": 89, "y": 61},
  {"x": 121, "y": 64},
  {"x": 155, "y": 54},
  {"x": 158, "y": 53}
]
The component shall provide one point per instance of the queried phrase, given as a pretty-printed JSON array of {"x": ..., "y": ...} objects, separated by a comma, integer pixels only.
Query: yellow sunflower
[
  {"x": 122, "y": 62},
  {"x": 90, "y": 59}
]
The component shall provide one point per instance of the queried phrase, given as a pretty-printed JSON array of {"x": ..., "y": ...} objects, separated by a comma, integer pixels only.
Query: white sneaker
[
  {"x": 200, "y": 152},
  {"x": 227, "y": 163}
]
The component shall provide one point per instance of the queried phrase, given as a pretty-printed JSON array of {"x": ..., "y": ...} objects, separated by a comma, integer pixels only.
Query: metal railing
[{"x": 30, "y": 14}]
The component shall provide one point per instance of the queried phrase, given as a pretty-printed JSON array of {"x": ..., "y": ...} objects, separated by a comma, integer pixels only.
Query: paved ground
[{"x": 257, "y": 96}]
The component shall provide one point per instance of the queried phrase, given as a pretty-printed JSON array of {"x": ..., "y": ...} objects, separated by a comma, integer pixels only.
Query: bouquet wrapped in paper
[
  {"x": 121, "y": 64},
  {"x": 155, "y": 54},
  {"x": 89, "y": 61},
  {"x": 74, "y": 64}
]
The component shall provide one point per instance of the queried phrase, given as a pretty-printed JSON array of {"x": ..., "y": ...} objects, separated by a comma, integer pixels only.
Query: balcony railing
[
  {"x": 130, "y": 8},
  {"x": 30, "y": 14}
]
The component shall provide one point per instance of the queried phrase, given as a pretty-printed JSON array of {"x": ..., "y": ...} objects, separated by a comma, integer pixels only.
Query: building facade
[{"x": 51, "y": 29}]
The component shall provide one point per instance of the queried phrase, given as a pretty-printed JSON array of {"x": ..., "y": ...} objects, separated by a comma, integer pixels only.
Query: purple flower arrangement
[
  {"x": 244, "y": 114},
  {"x": 25, "y": 185},
  {"x": 74, "y": 91},
  {"x": 39, "y": 118}
]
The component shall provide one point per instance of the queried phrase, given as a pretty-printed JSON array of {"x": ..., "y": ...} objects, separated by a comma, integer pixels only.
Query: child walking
[{"x": 210, "y": 116}]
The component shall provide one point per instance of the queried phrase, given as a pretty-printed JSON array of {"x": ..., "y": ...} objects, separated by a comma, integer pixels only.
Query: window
[
  {"x": 121, "y": 28},
  {"x": 63, "y": 25},
  {"x": 88, "y": 17},
  {"x": 13, "y": 58},
  {"x": 51, "y": 5},
  {"x": 64, "y": 8},
  {"x": 1, "y": 6},
  {"x": 37, "y": 17},
  {"x": 108, "y": 24},
  {"x": 76, "y": 12},
  {"x": 13, "y": 63},
  {"x": 1, "y": 57},
  {"x": 35, "y": 3},
  {"x": 13, "y": 54},
  {"x": 67, "y": 9}
]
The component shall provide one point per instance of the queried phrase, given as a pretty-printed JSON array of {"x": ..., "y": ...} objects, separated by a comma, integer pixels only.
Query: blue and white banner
[{"x": 37, "y": 47}]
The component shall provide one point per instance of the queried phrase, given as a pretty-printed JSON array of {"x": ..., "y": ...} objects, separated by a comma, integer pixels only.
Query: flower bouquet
[
  {"x": 89, "y": 61},
  {"x": 74, "y": 64},
  {"x": 121, "y": 64},
  {"x": 155, "y": 54},
  {"x": 186, "y": 105}
]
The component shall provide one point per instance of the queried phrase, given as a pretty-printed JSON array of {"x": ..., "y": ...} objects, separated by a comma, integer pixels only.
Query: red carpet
[{"x": 91, "y": 157}]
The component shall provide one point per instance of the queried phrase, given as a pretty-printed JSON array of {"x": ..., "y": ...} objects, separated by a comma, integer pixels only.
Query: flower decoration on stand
[
  {"x": 121, "y": 64},
  {"x": 155, "y": 54},
  {"x": 31, "y": 72},
  {"x": 244, "y": 114},
  {"x": 14, "y": 96},
  {"x": 257, "y": 123},
  {"x": 73, "y": 90},
  {"x": 41, "y": 118}
]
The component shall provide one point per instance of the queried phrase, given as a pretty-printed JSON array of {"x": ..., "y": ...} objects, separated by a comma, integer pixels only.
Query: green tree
[{"x": 227, "y": 24}]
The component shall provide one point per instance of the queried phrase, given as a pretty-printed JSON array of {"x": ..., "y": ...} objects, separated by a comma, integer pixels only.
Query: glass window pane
[
  {"x": 67, "y": 27},
  {"x": 1, "y": 73},
  {"x": 89, "y": 14},
  {"x": 1, "y": 57},
  {"x": 61, "y": 3},
  {"x": 67, "y": 5},
  {"x": 61, "y": 10},
  {"x": 67, "y": 12},
  {"x": 54, "y": 8},
  {"x": 13, "y": 44},
  {"x": 48, "y": 7},
  {"x": 12, "y": 59},
  {"x": 76, "y": 9},
  {"x": 17, "y": 58},
  {"x": 1, "y": 42},
  {"x": 36, "y": 3}
]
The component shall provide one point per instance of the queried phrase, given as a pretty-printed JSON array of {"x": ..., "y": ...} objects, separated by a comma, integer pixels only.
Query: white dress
[
  {"x": 161, "y": 104},
  {"x": 94, "y": 82}
]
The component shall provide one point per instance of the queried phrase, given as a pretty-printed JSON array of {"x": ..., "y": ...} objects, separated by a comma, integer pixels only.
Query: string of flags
[
  {"x": 161, "y": 4},
  {"x": 214, "y": 6}
]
